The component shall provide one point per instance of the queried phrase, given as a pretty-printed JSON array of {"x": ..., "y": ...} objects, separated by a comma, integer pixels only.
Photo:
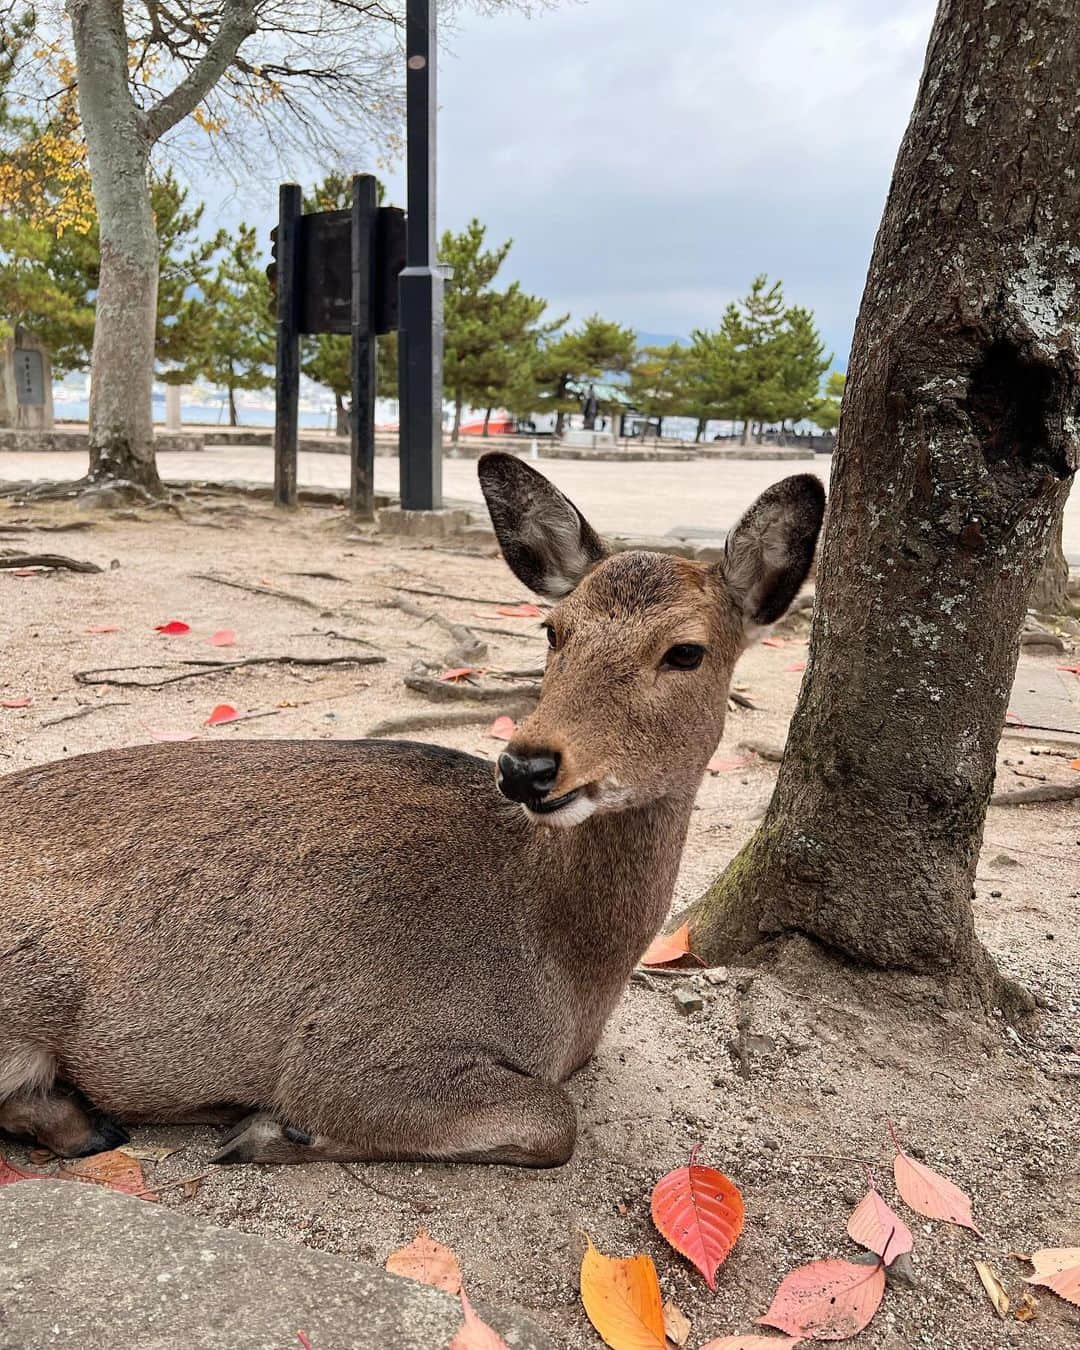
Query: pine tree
[
  {"x": 659, "y": 380},
  {"x": 825, "y": 411},
  {"x": 577, "y": 358},
  {"x": 234, "y": 315},
  {"x": 710, "y": 383}
]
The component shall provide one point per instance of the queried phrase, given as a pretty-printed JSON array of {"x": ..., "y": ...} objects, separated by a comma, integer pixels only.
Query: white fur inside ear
[{"x": 556, "y": 538}]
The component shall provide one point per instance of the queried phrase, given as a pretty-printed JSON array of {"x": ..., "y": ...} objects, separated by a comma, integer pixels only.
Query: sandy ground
[
  {"x": 648, "y": 497},
  {"x": 833, "y": 1052}
]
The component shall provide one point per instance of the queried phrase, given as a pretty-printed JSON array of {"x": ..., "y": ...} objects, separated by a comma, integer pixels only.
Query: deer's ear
[
  {"x": 768, "y": 553},
  {"x": 546, "y": 541}
]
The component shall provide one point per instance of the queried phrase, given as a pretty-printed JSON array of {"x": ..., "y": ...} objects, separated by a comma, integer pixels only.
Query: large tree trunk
[
  {"x": 121, "y": 421},
  {"x": 487, "y": 420},
  {"x": 1050, "y": 594},
  {"x": 456, "y": 432},
  {"x": 956, "y": 450},
  {"x": 234, "y": 421}
]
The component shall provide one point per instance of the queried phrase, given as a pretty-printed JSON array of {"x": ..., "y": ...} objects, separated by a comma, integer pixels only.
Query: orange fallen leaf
[
  {"x": 667, "y": 947},
  {"x": 718, "y": 765},
  {"x": 428, "y": 1261},
  {"x": 459, "y": 673},
  {"x": 700, "y": 1212},
  {"x": 173, "y": 628},
  {"x": 15, "y": 702},
  {"x": 1057, "y": 1268},
  {"x": 929, "y": 1193},
  {"x": 676, "y": 1324},
  {"x": 752, "y": 1343},
  {"x": 224, "y": 712},
  {"x": 622, "y": 1300},
  {"x": 502, "y": 728},
  {"x": 874, "y": 1225},
  {"x": 119, "y": 1171},
  {"x": 159, "y": 734},
  {"x": 827, "y": 1300},
  {"x": 102, "y": 628},
  {"x": 1074, "y": 763},
  {"x": 224, "y": 637},
  {"x": 1027, "y": 1307},
  {"x": 475, "y": 1334}
]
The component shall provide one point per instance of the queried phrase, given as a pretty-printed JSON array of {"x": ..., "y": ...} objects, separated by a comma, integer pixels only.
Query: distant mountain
[{"x": 662, "y": 339}]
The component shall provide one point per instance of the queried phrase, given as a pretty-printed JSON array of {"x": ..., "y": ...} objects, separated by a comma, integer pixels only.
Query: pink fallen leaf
[
  {"x": 718, "y": 765},
  {"x": 1057, "y": 1268},
  {"x": 526, "y": 610},
  {"x": 1071, "y": 670},
  {"x": 173, "y": 628},
  {"x": 667, "y": 947},
  {"x": 428, "y": 1261},
  {"x": 502, "y": 728},
  {"x": 160, "y": 734},
  {"x": 774, "y": 642},
  {"x": 1013, "y": 720},
  {"x": 224, "y": 637},
  {"x": 752, "y": 1343},
  {"x": 302, "y": 1337},
  {"x": 102, "y": 628},
  {"x": 25, "y": 572},
  {"x": 10, "y": 1173},
  {"x": 475, "y": 1334},
  {"x": 929, "y": 1193},
  {"x": 827, "y": 1300},
  {"x": 796, "y": 665},
  {"x": 224, "y": 712},
  {"x": 15, "y": 702},
  {"x": 878, "y": 1228},
  {"x": 458, "y": 673}
]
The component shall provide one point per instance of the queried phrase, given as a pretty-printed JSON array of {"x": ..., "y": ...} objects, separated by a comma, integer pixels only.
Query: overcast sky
[{"x": 648, "y": 157}]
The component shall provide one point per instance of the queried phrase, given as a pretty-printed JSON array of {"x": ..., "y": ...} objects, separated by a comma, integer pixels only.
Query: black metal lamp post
[{"x": 420, "y": 334}]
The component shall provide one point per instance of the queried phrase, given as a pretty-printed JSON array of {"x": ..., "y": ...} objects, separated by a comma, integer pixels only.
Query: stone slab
[
  {"x": 84, "y": 1268},
  {"x": 1046, "y": 698}
]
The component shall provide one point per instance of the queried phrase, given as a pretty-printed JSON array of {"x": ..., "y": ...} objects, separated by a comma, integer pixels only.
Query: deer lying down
[{"x": 374, "y": 949}]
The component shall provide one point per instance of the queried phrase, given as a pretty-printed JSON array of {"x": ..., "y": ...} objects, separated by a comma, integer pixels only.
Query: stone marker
[
  {"x": 26, "y": 400},
  {"x": 85, "y": 1268}
]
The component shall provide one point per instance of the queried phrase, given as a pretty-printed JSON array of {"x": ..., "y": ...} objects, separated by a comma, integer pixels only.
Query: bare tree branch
[{"x": 238, "y": 21}]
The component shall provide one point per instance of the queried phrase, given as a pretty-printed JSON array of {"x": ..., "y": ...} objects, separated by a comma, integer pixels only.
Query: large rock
[{"x": 85, "y": 1267}]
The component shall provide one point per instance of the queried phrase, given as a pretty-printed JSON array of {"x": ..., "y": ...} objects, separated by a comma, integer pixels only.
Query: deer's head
[{"x": 642, "y": 645}]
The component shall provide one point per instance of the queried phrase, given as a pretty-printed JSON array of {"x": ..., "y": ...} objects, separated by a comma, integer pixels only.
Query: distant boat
[{"x": 500, "y": 424}]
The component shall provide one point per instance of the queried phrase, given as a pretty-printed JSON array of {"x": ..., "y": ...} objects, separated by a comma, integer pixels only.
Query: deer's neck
[{"x": 609, "y": 884}]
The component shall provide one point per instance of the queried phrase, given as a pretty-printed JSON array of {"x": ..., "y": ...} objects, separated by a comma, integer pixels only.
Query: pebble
[{"x": 687, "y": 1001}]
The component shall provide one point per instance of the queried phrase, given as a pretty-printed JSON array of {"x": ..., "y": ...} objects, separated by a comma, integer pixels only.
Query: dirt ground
[{"x": 832, "y": 1052}]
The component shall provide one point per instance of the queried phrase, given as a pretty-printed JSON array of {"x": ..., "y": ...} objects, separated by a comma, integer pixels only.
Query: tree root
[
  {"x": 84, "y": 711},
  {"x": 449, "y": 691},
  {"x": 56, "y": 561},
  {"x": 107, "y": 674},
  {"x": 270, "y": 591},
  {"x": 439, "y": 721},
  {"x": 1050, "y": 792}
]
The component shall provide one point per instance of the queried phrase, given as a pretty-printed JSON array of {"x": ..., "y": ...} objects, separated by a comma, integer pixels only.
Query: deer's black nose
[{"x": 527, "y": 778}]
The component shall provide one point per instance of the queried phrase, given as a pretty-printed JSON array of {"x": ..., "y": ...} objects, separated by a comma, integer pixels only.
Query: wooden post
[
  {"x": 287, "y": 383},
  {"x": 362, "y": 415}
]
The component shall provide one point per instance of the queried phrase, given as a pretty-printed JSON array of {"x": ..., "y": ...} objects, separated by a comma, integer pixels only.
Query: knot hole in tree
[{"x": 1016, "y": 404}]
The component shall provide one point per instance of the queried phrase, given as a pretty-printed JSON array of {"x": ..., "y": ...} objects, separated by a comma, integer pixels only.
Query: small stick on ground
[
  {"x": 56, "y": 561},
  {"x": 83, "y": 711},
  {"x": 106, "y": 674},
  {"x": 341, "y": 637},
  {"x": 451, "y": 595},
  {"x": 1052, "y": 792},
  {"x": 741, "y": 701},
  {"x": 445, "y": 691},
  {"x": 435, "y": 721},
  {"x": 773, "y": 753},
  {"x": 160, "y": 1186},
  {"x": 253, "y": 589}
]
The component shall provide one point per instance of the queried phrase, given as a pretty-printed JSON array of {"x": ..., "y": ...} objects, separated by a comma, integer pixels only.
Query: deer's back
[{"x": 199, "y": 905}]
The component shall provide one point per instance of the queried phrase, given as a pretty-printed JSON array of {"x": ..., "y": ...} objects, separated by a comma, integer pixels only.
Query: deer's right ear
[{"x": 546, "y": 541}]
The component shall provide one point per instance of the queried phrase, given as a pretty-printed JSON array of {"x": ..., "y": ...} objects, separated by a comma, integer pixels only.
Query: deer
[{"x": 376, "y": 949}]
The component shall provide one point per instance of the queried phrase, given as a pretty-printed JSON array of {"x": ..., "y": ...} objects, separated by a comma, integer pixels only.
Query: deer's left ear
[
  {"x": 769, "y": 552},
  {"x": 546, "y": 541}
]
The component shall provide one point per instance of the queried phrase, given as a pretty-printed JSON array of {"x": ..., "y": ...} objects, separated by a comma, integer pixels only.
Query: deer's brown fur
[{"x": 363, "y": 943}]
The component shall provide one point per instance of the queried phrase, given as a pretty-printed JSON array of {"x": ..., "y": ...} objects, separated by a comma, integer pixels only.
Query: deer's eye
[
  {"x": 553, "y": 641},
  {"x": 684, "y": 656}
]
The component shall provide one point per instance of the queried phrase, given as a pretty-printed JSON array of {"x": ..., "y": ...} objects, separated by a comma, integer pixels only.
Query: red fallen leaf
[
  {"x": 502, "y": 728},
  {"x": 301, "y": 1336},
  {"x": 474, "y": 1334},
  {"x": 224, "y": 712},
  {"x": 700, "y": 1212},
  {"x": 173, "y": 628},
  {"x": 752, "y": 1343},
  {"x": 929, "y": 1193},
  {"x": 826, "y": 1300},
  {"x": 718, "y": 765},
  {"x": 667, "y": 947},
  {"x": 774, "y": 642},
  {"x": 15, "y": 702},
  {"x": 9, "y": 1173},
  {"x": 796, "y": 665},
  {"x": 458, "y": 673},
  {"x": 115, "y": 1169},
  {"x": 1071, "y": 670},
  {"x": 877, "y": 1227},
  {"x": 428, "y": 1261},
  {"x": 224, "y": 637},
  {"x": 102, "y": 628},
  {"x": 25, "y": 572},
  {"x": 1057, "y": 1268},
  {"x": 526, "y": 610},
  {"x": 157, "y": 734}
]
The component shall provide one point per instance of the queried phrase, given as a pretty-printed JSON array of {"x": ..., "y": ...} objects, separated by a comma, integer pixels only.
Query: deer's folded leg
[
  {"x": 61, "y": 1119},
  {"x": 492, "y": 1116}
]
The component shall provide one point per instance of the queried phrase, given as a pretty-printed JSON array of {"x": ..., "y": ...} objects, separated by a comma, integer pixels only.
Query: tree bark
[
  {"x": 119, "y": 138},
  {"x": 1051, "y": 591},
  {"x": 341, "y": 426},
  {"x": 234, "y": 421},
  {"x": 456, "y": 432},
  {"x": 957, "y": 446},
  {"x": 487, "y": 419}
]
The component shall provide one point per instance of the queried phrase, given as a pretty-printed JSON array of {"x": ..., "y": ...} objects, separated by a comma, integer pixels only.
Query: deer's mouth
[
  {"x": 546, "y": 806},
  {"x": 562, "y": 812}
]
